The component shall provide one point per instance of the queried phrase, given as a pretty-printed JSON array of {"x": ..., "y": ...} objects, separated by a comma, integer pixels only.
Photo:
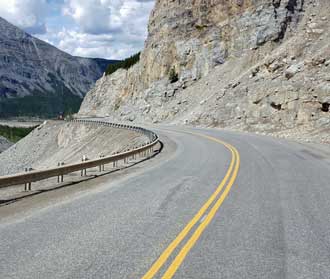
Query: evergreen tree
[
  {"x": 173, "y": 75},
  {"x": 125, "y": 64}
]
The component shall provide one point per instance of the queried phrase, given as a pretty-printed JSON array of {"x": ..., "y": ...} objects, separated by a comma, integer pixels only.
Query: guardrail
[{"x": 37, "y": 175}]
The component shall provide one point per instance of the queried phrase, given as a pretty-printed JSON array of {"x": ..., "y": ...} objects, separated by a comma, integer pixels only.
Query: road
[{"x": 217, "y": 205}]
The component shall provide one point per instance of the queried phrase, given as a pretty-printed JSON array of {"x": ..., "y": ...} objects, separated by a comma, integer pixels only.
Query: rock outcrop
[
  {"x": 4, "y": 144},
  {"x": 259, "y": 65},
  {"x": 31, "y": 67}
]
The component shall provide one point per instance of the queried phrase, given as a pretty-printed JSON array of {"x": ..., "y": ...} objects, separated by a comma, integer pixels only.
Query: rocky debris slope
[
  {"x": 4, "y": 144},
  {"x": 29, "y": 66},
  {"x": 258, "y": 65},
  {"x": 54, "y": 142}
]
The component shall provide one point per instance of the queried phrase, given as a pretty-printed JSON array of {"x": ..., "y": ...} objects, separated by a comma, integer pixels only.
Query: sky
[{"x": 112, "y": 29}]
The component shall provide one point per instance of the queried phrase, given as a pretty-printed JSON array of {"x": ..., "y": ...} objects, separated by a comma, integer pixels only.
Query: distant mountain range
[{"x": 37, "y": 79}]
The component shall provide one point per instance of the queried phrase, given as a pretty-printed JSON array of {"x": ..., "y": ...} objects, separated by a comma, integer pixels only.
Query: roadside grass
[{"x": 14, "y": 134}]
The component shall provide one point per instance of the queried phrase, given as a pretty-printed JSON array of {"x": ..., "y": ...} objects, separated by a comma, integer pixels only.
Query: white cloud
[
  {"x": 103, "y": 16},
  {"x": 125, "y": 20},
  {"x": 98, "y": 16},
  {"x": 82, "y": 44},
  {"x": 26, "y": 14},
  {"x": 112, "y": 46},
  {"x": 92, "y": 28},
  {"x": 91, "y": 15}
]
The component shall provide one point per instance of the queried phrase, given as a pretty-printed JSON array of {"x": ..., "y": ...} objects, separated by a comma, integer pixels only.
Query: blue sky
[{"x": 89, "y": 28}]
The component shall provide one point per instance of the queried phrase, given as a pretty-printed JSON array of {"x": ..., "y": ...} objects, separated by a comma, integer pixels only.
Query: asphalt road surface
[{"x": 219, "y": 205}]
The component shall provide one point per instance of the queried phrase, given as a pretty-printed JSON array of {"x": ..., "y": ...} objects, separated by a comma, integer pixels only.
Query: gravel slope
[{"x": 55, "y": 142}]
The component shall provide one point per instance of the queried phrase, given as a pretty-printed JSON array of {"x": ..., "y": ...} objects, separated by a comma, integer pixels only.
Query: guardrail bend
[{"x": 27, "y": 178}]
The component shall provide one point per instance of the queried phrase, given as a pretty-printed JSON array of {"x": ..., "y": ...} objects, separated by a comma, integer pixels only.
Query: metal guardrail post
[
  {"x": 58, "y": 177},
  {"x": 84, "y": 171},
  {"x": 114, "y": 163},
  {"x": 62, "y": 176},
  {"x": 28, "y": 185},
  {"x": 101, "y": 167}
]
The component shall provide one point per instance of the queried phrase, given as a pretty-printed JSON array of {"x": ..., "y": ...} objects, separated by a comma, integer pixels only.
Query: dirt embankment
[{"x": 56, "y": 141}]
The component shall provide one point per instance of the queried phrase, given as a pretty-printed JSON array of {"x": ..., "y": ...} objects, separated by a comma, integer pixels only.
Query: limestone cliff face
[
  {"x": 262, "y": 43},
  {"x": 195, "y": 36}
]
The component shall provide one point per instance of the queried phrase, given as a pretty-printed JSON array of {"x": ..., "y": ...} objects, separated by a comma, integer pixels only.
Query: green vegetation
[
  {"x": 125, "y": 64},
  {"x": 14, "y": 134},
  {"x": 40, "y": 105},
  {"x": 199, "y": 27},
  {"x": 173, "y": 75}
]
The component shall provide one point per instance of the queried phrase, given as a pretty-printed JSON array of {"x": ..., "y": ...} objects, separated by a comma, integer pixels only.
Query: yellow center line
[
  {"x": 198, "y": 232},
  {"x": 168, "y": 251}
]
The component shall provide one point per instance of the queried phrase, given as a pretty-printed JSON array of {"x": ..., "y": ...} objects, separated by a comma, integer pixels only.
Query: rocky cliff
[
  {"x": 41, "y": 76},
  {"x": 260, "y": 65}
]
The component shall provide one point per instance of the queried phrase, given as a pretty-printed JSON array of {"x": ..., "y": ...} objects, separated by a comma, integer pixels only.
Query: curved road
[{"x": 248, "y": 207}]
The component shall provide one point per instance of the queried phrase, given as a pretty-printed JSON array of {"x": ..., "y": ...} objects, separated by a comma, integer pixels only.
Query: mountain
[
  {"x": 104, "y": 63},
  {"x": 37, "y": 79},
  {"x": 259, "y": 65}
]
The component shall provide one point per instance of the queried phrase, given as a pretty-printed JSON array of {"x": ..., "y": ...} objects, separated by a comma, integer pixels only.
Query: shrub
[
  {"x": 173, "y": 75},
  {"x": 199, "y": 27},
  {"x": 125, "y": 64},
  {"x": 14, "y": 134}
]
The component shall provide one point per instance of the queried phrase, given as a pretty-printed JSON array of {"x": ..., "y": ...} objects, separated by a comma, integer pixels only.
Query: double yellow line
[{"x": 227, "y": 181}]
